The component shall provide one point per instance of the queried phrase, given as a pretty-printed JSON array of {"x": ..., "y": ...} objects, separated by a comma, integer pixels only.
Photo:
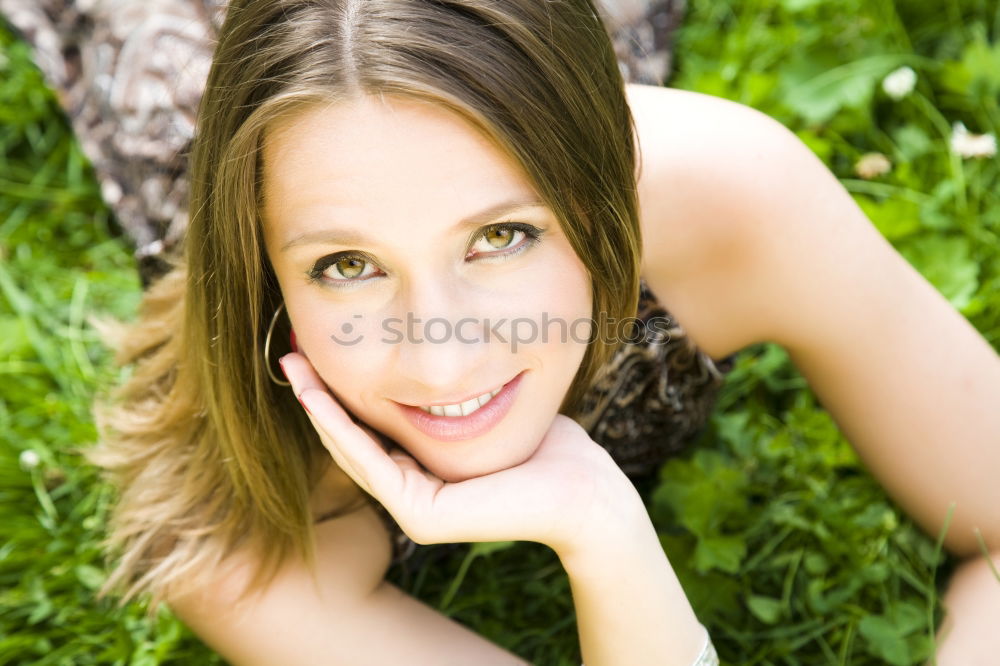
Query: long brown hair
[{"x": 208, "y": 454}]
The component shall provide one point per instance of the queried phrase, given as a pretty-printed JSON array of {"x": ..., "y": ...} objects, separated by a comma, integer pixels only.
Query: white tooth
[
  {"x": 469, "y": 406},
  {"x": 462, "y": 409}
]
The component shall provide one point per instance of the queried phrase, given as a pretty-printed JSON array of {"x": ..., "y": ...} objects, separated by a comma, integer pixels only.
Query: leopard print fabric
[{"x": 656, "y": 394}]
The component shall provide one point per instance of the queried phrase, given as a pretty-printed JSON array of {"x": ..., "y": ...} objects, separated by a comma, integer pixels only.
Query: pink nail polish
[{"x": 281, "y": 362}]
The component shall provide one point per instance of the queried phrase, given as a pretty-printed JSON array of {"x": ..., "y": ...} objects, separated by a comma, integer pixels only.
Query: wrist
[
  {"x": 611, "y": 525},
  {"x": 630, "y": 607},
  {"x": 602, "y": 548},
  {"x": 707, "y": 656}
]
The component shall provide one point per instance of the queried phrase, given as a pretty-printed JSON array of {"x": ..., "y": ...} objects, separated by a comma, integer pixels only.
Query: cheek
[
  {"x": 563, "y": 295},
  {"x": 332, "y": 341}
]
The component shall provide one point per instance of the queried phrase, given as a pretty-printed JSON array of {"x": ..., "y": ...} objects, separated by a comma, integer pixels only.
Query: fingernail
[
  {"x": 304, "y": 406},
  {"x": 281, "y": 362}
]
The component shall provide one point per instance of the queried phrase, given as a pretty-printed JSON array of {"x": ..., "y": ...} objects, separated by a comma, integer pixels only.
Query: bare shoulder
[
  {"x": 353, "y": 554},
  {"x": 352, "y": 551},
  {"x": 703, "y": 161}
]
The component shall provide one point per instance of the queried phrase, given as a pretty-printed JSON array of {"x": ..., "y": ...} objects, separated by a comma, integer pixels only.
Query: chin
[
  {"x": 457, "y": 476},
  {"x": 454, "y": 471},
  {"x": 465, "y": 468}
]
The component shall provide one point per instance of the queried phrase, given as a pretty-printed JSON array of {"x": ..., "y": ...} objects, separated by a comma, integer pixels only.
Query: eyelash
[{"x": 532, "y": 237}]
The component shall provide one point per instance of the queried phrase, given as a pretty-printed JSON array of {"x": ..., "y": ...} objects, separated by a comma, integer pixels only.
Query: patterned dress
[{"x": 130, "y": 73}]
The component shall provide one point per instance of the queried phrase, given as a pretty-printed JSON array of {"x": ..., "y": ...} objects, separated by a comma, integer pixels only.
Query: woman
[{"x": 344, "y": 159}]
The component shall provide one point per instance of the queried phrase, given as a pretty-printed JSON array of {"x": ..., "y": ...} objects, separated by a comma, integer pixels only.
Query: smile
[{"x": 464, "y": 420}]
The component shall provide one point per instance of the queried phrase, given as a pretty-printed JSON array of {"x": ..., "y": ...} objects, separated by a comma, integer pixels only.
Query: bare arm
[
  {"x": 972, "y": 603},
  {"x": 630, "y": 607},
  {"x": 758, "y": 241},
  {"x": 350, "y": 616}
]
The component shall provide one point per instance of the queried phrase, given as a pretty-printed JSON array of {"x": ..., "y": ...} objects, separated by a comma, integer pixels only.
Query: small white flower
[
  {"x": 872, "y": 165},
  {"x": 899, "y": 83},
  {"x": 29, "y": 459},
  {"x": 967, "y": 144}
]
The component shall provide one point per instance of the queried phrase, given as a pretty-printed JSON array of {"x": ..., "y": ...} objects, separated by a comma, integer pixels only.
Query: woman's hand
[{"x": 569, "y": 495}]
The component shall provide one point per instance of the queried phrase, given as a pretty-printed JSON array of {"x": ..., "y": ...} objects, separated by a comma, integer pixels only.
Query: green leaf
[
  {"x": 90, "y": 576},
  {"x": 816, "y": 564},
  {"x": 911, "y": 142},
  {"x": 702, "y": 491},
  {"x": 894, "y": 218},
  {"x": 946, "y": 262},
  {"x": 720, "y": 552},
  {"x": 820, "y": 146},
  {"x": 896, "y": 636},
  {"x": 13, "y": 338},
  {"x": 794, "y": 6},
  {"x": 818, "y": 97},
  {"x": 978, "y": 73},
  {"x": 884, "y": 640},
  {"x": 766, "y": 609}
]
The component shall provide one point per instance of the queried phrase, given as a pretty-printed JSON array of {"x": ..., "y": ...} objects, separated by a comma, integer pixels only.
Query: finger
[
  {"x": 360, "y": 452},
  {"x": 382, "y": 440},
  {"x": 301, "y": 374},
  {"x": 356, "y": 475},
  {"x": 409, "y": 465},
  {"x": 337, "y": 424}
]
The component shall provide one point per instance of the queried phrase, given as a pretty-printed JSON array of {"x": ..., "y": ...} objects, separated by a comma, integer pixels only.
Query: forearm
[
  {"x": 630, "y": 607},
  {"x": 968, "y": 636}
]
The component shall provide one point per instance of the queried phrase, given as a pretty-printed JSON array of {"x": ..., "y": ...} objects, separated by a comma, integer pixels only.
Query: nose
[{"x": 444, "y": 345}]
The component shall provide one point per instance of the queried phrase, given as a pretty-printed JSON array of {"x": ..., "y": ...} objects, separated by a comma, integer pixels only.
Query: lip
[{"x": 457, "y": 428}]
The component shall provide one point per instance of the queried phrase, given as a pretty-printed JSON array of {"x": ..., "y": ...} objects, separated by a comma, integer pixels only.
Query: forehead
[{"x": 383, "y": 151}]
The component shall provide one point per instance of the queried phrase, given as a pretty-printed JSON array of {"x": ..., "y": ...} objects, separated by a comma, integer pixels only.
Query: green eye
[
  {"x": 502, "y": 237},
  {"x": 349, "y": 267},
  {"x": 342, "y": 268},
  {"x": 499, "y": 238}
]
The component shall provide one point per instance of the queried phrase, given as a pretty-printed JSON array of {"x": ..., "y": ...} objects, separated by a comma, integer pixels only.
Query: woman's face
[{"x": 380, "y": 219}]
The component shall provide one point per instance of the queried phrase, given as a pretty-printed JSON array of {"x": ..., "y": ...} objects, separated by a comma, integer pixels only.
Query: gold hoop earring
[{"x": 267, "y": 348}]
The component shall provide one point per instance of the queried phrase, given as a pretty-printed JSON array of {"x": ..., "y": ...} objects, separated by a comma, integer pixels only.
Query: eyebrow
[{"x": 355, "y": 237}]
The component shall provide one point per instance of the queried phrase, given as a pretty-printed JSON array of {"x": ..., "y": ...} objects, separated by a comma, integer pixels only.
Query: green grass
[{"x": 789, "y": 551}]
